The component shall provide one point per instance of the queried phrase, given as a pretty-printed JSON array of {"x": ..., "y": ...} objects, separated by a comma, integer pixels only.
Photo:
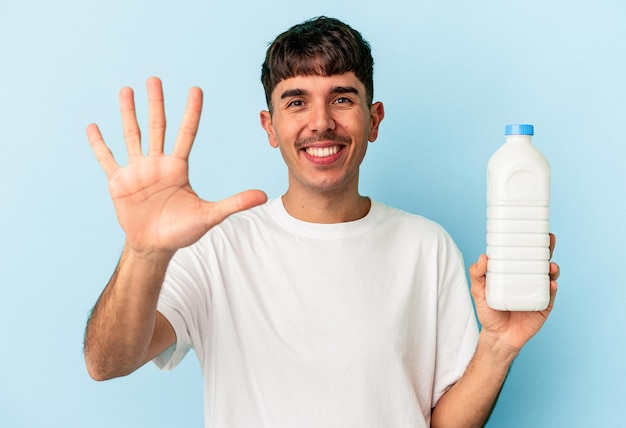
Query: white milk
[{"x": 518, "y": 199}]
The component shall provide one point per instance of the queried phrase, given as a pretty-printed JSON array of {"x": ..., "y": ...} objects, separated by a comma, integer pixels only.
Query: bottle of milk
[{"x": 518, "y": 198}]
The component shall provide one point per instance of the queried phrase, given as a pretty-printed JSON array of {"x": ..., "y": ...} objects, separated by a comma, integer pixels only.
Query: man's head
[{"x": 321, "y": 46}]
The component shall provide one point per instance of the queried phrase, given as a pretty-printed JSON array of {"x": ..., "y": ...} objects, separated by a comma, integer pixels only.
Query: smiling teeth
[{"x": 322, "y": 152}]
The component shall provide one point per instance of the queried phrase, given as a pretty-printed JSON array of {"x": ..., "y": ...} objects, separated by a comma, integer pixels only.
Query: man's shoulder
[{"x": 400, "y": 224}]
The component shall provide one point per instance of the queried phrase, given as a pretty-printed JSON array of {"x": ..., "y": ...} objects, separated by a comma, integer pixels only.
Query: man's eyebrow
[
  {"x": 292, "y": 93},
  {"x": 297, "y": 92},
  {"x": 344, "y": 90}
]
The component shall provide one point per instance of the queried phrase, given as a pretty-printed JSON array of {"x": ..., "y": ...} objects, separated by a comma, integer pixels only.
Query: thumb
[
  {"x": 477, "y": 273},
  {"x": 218, "y": 211},
  {"x": 478, "y": 269}
]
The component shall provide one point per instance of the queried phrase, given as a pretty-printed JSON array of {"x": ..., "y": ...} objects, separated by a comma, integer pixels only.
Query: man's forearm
[
  {"x": 470, "y": 401},
  {"x": 121, "y": 325}
]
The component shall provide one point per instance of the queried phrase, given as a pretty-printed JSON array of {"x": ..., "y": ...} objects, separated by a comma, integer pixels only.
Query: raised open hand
[{"x": 154, "y": 202}]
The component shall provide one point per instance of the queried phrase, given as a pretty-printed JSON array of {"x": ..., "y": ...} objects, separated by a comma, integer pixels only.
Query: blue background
[{"x": 451, "y": 75}]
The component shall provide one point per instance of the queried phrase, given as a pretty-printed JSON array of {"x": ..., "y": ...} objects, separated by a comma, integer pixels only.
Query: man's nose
[{"x": 321, "y": 119}]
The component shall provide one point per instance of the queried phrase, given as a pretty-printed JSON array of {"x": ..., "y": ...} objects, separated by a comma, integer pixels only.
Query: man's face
[{"x": 322, "y": 125}]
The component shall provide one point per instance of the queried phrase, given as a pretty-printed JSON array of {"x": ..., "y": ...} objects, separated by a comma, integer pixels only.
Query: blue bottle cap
[{"x": 517, "y": 129}]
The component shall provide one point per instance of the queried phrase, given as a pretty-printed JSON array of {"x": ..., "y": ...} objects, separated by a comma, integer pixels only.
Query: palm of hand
[
  {"x": 516, "y": 328},
  {"x": 155, "y": 204}
]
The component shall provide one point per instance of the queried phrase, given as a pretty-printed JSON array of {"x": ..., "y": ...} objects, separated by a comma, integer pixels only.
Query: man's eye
[
  {"x": 343, "y": 100},
  {"x": 296, "y": 103}
]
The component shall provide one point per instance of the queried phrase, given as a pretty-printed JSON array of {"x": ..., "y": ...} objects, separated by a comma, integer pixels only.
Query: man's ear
[
  {"x": 377, "y": 114},
  {"x": 266, "y": 123}
]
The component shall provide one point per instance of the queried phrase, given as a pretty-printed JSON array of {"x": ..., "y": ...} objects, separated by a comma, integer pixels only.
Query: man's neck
[{"x": 326, "y": 208}]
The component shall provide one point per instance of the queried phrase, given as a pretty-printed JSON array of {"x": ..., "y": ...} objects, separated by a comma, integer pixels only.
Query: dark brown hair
[{"x": 321, "y": 46}]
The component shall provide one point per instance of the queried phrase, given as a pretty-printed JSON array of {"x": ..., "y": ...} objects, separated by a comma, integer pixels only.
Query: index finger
[{"x": 189, "y": 125}]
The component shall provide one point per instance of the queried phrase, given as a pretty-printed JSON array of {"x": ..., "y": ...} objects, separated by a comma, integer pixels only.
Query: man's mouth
[{"x": 322, "y": 152}]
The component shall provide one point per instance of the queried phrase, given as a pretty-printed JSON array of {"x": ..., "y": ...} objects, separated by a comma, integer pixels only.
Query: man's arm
[
  {"x": 160, "y": 213},
  {"x": 125, "y": 330},
  {"x": 470, "y": 401}
]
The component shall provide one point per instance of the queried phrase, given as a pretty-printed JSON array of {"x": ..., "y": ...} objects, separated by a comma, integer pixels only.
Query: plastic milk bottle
[{"x": 518, "y": 198}]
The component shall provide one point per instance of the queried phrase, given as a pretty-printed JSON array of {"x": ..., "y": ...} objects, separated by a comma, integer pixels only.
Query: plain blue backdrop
[{"x": 451, "y": 75}]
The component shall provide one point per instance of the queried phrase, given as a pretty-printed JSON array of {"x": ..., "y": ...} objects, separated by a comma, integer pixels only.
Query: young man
[{"x": 320, "y": 308}]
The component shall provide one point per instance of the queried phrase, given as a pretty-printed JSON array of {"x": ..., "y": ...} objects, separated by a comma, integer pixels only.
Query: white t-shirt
[{"x": 358, "y": 324}]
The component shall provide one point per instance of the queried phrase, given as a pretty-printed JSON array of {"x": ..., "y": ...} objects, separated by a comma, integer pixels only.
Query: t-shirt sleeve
[
  {"x": 184, "y": 300},
  {"x": 457, "y": 329}
]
